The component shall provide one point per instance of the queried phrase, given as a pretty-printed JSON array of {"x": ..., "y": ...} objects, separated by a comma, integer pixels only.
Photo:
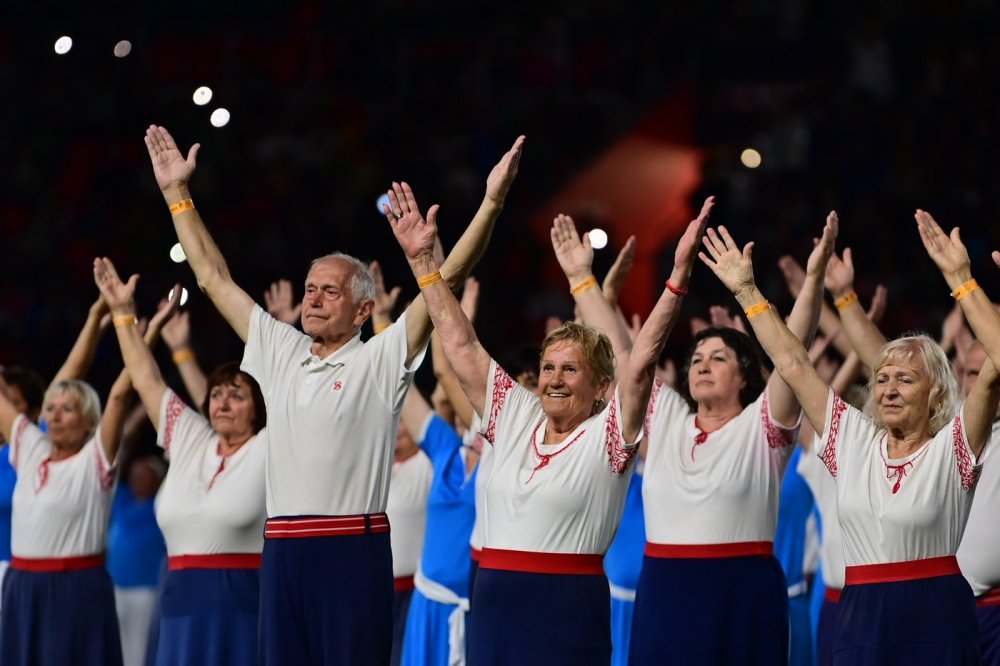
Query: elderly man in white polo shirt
[{"x": 333, "y": 407}]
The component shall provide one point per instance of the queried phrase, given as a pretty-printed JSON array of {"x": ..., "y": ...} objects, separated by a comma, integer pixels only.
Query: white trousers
[{"x": 135, "y": 607}]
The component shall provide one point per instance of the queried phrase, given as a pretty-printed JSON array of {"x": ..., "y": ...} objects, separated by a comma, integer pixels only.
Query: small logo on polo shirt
[{"x": 337, "y": 385}]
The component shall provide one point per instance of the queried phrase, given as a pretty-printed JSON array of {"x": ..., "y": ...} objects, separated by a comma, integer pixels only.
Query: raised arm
[
  {"x": 952, "y": 259},
  {"x": 829, "y": 322},
  {"x": 734, "y": 269},
  {"x": 279, "y": 301},
  {"x": 177, "y": 335},
  {"x": 863, "y": 334},
  {"x": 470, "y": 246},
  {"x": 385, "y": 299},
  {"x": 636, "y": 381},
  {"x": 141, "y": 369},
  {"x": 445, "y": 374},
  {"x": 7, "y": 411},
  {"x": 172, "y": 171},
  {"x": 576, "y": 259},
  {"x": 416, "y": 236},
  {"x": 81, "y": 356}
]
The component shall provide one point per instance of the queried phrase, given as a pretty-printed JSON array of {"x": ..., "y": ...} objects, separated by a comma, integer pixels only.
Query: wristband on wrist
[
  {"x": 182, "y": 355},
  {"x": 680, "y": 291},
  {"x": 965, "y": 289},
  {"x": 757, "y": 308},
  {"x": 181, "y": 206},
  {"x": 584, "y": 285},
  {"x": 845, "y": 300},
  {"x": 124, "y": 320},
  {"x": 429, "y": 279}
]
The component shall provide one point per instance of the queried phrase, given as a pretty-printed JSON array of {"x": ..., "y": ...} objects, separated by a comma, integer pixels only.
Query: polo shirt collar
[{"x": 338, "y": 357}]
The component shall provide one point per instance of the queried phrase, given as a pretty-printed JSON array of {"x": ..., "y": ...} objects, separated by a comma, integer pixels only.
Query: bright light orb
[
  {"x": 202, "y": 96},
  {"x": 177, "y": 254},
  {"x": 220, "y": 117},
  {"x": 184, "y": 295},
  {"x": 598, "y": 239},
  {"x": 751, "y": 158},
  {"x": 383, "y": 200},
  {"x": 123, "y": 48},
  {"x": 64, "y": 44}
]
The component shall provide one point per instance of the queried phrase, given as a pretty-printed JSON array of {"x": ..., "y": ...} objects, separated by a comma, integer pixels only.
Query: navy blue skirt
[
  {"x": 727, "y": 610},
  {"x": 209, "y": 617},
  {"x": 400, "y": 609},
  {"x": 55, "y": 619},
  {"x": 545, "y": 619},
  {"x": 989, "y": 634},
  {"x": 326, "y": 600},
  {"x": 825, "y": 632},
  {"x": 928, "y": 621}
]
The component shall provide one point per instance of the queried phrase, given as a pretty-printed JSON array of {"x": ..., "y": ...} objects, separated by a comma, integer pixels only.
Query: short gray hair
[
  {"x": 90, "y": 403},
  {"x": 362, "y": 282}
]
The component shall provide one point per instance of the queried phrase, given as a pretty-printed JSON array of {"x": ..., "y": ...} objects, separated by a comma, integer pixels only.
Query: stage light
[
  {"x": 177, "y": 254},
  {"x": 598, "y": 238},
  {"x": 383, "y": 200},
  {"x": 202, "y": 96},
  {"x": 123, "y": 48},
  {"x": 220, "y": 117},
  {"x": 64, "y": 44},
  {"x": 184, "y": 295},
  {"x": 751, "y": 158}
]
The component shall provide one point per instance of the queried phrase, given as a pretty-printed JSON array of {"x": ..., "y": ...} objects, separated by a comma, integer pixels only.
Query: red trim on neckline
[
  {"x": 894, "y": 572},
  {"x": 710, "y": 550},
  {"x": 546, "y": 563}
]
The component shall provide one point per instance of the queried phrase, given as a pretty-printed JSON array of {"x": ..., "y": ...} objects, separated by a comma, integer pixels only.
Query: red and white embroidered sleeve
[
  {"x": 105, "y": 474},
  {"x": 22, "y": 425},
  {"x": 502, "y": 383},
  {"x": 777, "y": 437},
  {"x": 829, "y": 454},
  {"x": 651, "y": 408},
  {"x": 619, "y": 456},
  {"x": 966, "y": 470},
  {"x": 175, "y": 407}
]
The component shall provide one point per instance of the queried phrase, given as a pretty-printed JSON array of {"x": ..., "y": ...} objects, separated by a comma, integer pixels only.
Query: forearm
[
  {"x": 805, "y": 314},
  {"x": 981, "y": 315},
  {"x": 81, "y": 356},
  {"x": 202, "y": 253},
  {"x": 829, "y": 325},
  {"x": 446, "y": 377},
  {"x": 193, "y": 377},
  {"x": 781, "y": 345},
  {"x": 472, "y": 244},
  {"x": 864, "y": 336},
  {"x": 596, "y": 312}
]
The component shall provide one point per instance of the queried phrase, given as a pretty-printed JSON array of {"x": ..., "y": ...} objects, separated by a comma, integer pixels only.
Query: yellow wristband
[
  {"x": 182, "y": 355},
  {"x": 965, "y": 289},
  {"x": 758, "y": 308},
  {"x": 124, "y": 320},
  {"x": 845, "y": 300},
  {"x": 586, "y": 284},
  {"x": 429, "y": 279},
  {"x": 380, "y": 327},
  {"x": 181, "y": 206}
]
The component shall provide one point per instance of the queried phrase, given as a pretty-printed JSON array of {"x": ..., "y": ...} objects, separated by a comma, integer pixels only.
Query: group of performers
[{"x": 575, "y": 506}]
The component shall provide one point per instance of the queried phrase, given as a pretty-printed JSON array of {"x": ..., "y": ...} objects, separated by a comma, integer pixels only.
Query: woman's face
[
  {"x": 231, "y": 410},
  {"x": 67, "y": 427},
  {"x": 566, "y": 384},
  {"x": 902, "y": 394},
  {"x": 714, "y": 375}
]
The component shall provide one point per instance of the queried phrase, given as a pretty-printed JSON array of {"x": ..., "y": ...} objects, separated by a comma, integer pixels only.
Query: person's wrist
[
  {"x": 746, "y": 294},
  {"x": 840, "y": 293},
  {"x": 958, "y": 277},
  {"x": 493, "y": 203},
  {"x": 423, "y": 264},
  {"x": 175, "y": 192}
]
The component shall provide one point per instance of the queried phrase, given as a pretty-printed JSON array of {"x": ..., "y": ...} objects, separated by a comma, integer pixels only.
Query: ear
[{"x": 363, "y": 312}]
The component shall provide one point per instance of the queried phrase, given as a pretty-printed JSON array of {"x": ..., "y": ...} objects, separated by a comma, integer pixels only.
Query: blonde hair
[
  {"x": 943, "y": 388},
  {"x": 90, "y": 403},
  {"x": 596, "y": 347}
]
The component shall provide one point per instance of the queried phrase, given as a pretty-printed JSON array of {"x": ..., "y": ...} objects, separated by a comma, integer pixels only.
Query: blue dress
[
  {"x": 8, "y": 477},
  {"x": 794, "y": 508},
  {"x": 622, "y": 565},
  {"x": 135, "y": 544},
  {"x": 451, "y": 513}
]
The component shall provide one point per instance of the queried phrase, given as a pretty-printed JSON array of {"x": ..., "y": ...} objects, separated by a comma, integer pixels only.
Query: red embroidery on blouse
[
  {"x": 175, "y": 407},
  {"x": 651, "y": 407},
  {"x": 222, "y": 466},
  {"x": 544, "y": 458},
  {"x": 829, "y": 455},
  {"x": 777, "y": 438},
  {"x": 966, "y": 470},
  {"x": 501, "y": 386},
  {"x": 699, "y": 439},
  {"x": 21, "y": 427},
  {"x": 105, "y": 474},
  {"x": 898, "y": 472},
  {"x": 618, "y": 454},
  {"x": 43, "y": 475}
]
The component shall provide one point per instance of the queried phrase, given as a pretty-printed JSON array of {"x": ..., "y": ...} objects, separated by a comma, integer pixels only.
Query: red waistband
[
  {"x": 324, "y": 526},
  {"x": 53, "y": 564},
  {"x": 219, "y": 561},
  {"x": 710, "y": 550},
  {"x": 832, "y": 594},
  {"x": 989, "y": 598},
  {"x": 548, "y": 563},
  {"x": 893, "y": 572},
  {"x": 403, "y": 583},
  {"x": 476, "y": 555}
]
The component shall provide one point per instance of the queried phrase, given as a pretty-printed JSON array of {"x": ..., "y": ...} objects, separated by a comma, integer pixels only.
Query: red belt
[
  {"x": 832, "y": 594},
  {"x": 989, "y": 598},
  {"x": 548, "y": 563},
  {"x": 711, "y": 550},
  {"x": 324, "y": 526},
  {"x": 54, "y": 564},
  {"x": 219, "y": 561},
  {"x": 476, "y": 555},
  {"x": 403, "y": 583},
  {"x": 893, "y": 572}
]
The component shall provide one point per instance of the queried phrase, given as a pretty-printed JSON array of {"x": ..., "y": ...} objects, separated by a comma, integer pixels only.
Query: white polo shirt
[
  {"x": 714, "y": 489},
  {"x": 573, "y": 503},
  {"x": 979, "y": 552},
  {"x": 60, "y": 507},
  {"x": 331, "y": 422},
  {"x": 407, "y": 510},
  {"x": 903, "y": 509},
  {"x": 208, "y": 504},
  {"x": 824, "y": 490}
]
